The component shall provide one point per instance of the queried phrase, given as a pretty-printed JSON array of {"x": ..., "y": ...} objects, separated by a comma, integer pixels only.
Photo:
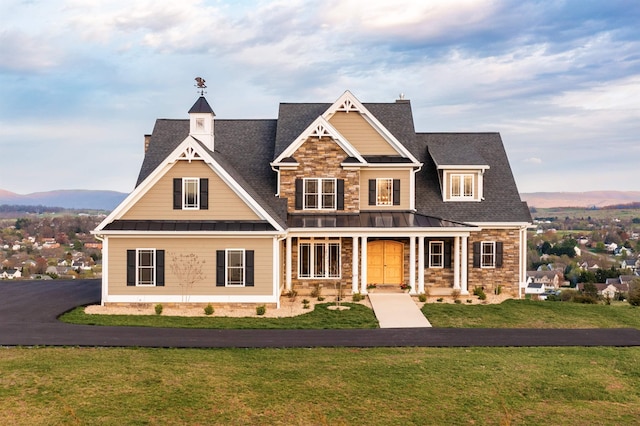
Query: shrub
[
  {"x": 158, "y": 309},
  {"x": 455, "y": 293},
  {"x": 498, "y": 290},
  {"x": 422, "y": 297},
  {"x": 586, "y": 299},
  {"x": 458, "y": 301},
  {"x": 439, "y": 299},
  {"x": 469, "y": 300},
  {"x": 261, "y": 310},
  {"x": 479, "y": 291},
  {"x": 356, "y": 297},
  {"x": 320, "y": 298},
  {"x": 567, "y": 295},
  {"x": 208, "y": 310},
  {"x": 305, "y": 303},
  {"x": 315, "y": 292}
]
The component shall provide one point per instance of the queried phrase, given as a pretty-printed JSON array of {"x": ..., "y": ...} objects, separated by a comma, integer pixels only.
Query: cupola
[{"x": 201, "y": 119}]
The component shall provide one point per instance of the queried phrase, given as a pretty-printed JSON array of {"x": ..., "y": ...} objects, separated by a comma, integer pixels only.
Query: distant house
[
  {"x": 11, "y": 273},
  {"x": 549, "y": 279}
]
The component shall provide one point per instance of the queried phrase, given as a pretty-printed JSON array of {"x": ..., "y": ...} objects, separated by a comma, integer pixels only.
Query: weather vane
[{"x": 200, "y": 84}]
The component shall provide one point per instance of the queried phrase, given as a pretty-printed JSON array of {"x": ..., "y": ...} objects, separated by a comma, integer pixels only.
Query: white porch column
[
  {"x": 465, "y": 266},
  {"x": 288, "y": 272},
  {"x": 456, "y": 263},
  {"x": 420, "y": 265},
  {"x": 363, "y": 269},
  {"x": 412, "y": 265},
  {"x": 354, "y": 266}
]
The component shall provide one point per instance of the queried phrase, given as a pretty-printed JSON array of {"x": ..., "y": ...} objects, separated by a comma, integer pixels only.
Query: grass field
[
  {"x": 599, "y": 214},
  {"x": 386, "y": 386}
]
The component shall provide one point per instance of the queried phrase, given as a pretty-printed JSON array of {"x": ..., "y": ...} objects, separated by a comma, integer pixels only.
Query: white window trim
[
  {"x": 196, "y": 205},
  {"x": 484, "y": 244},
  {"x": 152, "y": 267},
  {"x": 226, "y": 268},
  {"x": 313, "y": 242},
  {"x": 320, "y": 193},
  {"x": 389, "y": 182},
  {"x": 441, "y": 254},
  {"x": 461, "y": 186}
]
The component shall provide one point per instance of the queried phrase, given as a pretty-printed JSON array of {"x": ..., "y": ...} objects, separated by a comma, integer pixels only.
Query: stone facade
[
  {"x": 506, "y": 276},
  {"x": 321, "y": 158}
]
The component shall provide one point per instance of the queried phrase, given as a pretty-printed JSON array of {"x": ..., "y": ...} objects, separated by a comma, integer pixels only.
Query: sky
[{"x": 82, "y": 81}]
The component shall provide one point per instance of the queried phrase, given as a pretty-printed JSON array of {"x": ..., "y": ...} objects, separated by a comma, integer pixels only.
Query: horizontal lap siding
[
  {"x": 403, "y": 175},
  {"x": 204, "y": 248},
  {"x": 360, "y": 134},
  {"x": 157, "y": 203}
]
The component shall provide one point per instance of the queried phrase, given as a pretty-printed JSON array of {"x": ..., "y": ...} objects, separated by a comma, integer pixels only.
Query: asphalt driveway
[{"x": 29, "y": 311}]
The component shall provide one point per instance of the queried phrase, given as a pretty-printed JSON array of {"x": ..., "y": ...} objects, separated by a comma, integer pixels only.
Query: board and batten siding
[
  {"x": 360, "y": 134},
  {"x": 405, "y": 187},
  {"x": 205, "y": 249},
  {"x": 157, "y": 202}
]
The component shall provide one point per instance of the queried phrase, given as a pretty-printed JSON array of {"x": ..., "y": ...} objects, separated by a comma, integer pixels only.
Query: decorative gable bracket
[{"x": 189, "y": 154}]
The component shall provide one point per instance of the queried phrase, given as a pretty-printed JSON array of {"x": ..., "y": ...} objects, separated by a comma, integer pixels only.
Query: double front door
[{"x": 385, "y": 262}]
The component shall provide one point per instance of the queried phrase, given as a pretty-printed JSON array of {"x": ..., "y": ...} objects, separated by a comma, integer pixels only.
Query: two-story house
[{"x": 328, "y": 193}]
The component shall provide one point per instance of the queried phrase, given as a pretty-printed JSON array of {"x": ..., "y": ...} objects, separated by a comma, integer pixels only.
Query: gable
[
  {"x": 157, "y": 202},
  {"x": 360, "y": 134}
]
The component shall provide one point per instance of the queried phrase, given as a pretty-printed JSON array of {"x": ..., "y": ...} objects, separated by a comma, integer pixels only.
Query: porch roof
[{"x": 371, "y": 220}]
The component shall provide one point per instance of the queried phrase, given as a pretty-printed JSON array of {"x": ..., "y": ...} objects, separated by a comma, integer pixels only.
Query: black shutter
[
  {"x": 220, "y": 267},
  {"x": 159, "y": 268},
  {"x": 204, "y": 194},
  {"x": 131, "y": 267},
  {"x": 396, "y": 192},
  {"x": 498, "y": 255},
  {"x": 476, "y": 255},
  {"x": 340, "y": 194},
  {"x": 248, "y": 268},
  {"x": 299, "y": 184},
  {"x": 372, "y": 192},
  {"x": 177, "y": 194},
  {"x": 447, "y": 253}
]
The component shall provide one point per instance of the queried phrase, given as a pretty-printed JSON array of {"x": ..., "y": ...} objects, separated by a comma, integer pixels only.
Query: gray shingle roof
[{"x": 246, "y": 147}]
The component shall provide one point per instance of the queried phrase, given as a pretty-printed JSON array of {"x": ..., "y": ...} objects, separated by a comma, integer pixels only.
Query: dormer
[
  {"x": 201, "y": 120},
  {"x": 460, "y": 172}
]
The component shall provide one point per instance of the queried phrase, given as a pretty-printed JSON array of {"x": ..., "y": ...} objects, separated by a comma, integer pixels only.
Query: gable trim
[
  {"x": 348, "y": 102},
  {"x": 318, "y": 129},
  {"x": 194, "y": 147}
]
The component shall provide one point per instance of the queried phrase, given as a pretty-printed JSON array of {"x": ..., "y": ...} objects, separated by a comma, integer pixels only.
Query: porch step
[{"x": 397, "y": 310}]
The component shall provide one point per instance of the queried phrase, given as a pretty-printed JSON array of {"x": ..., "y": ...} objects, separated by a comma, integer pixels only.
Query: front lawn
[
  {"x": 532, "y": 314},
  {"x": 358, "y": 316}
]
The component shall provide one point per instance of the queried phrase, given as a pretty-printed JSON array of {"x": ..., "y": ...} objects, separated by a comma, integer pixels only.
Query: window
[
  {"x": 488, "y": 254},
  {"x": 384, "y": 192},
  {"x": 190, "y": 193},
  {"x": 320, "y": 194},
  {"x": 200, "y": 124},
  {"x": 436, "y": 254},
  {"x": 145, "y": 267},
  {"x": 319, "y": 258},
  {"x": 461, "y": 186},
  {"x": 234, "y": 268}
]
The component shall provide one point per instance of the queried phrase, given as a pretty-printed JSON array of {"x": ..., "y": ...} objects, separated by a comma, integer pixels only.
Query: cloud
[{"x": 533, "y": 160}]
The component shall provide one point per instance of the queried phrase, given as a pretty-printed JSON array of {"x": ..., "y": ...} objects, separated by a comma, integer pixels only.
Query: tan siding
[
  {"x": 360, "y": 134},
  {"x": 205, "y": 249},
  {"x": 157, "y": 203},
  {"x": 403, "y": 175}
]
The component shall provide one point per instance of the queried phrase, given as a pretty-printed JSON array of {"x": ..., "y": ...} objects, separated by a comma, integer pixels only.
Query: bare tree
[{"x": 188, "y": 269}]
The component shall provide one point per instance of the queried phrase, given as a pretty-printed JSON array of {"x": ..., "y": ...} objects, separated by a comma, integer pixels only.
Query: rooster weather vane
[{"x": 200, "y": 84}]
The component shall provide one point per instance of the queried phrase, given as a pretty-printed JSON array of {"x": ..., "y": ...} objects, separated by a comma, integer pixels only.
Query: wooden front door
[{"x": 385, "y": 261}]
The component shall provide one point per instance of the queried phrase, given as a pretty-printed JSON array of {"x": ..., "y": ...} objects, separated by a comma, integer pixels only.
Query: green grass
[
  {"x": 533, "y": 314},
  {"x": 509, "y": 314},
  {"x": 382, "y": 386},
  {"x": 321, "y": 317}
]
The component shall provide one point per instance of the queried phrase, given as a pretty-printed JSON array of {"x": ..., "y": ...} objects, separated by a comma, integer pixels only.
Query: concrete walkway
[{"x": 397, "y": 310}]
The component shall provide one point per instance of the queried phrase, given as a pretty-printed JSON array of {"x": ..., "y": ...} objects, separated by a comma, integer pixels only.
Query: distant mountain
[
  {"x": 599, "y": 199},
  {"x": 69, "y": 199}
]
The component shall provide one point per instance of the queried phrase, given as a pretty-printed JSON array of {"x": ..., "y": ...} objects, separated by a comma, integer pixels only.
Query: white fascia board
[
  {"x": 464, "y": 167},
  {"x": 306, "y": 134},
  {"x": 377, "y": 232},
  {"x": 191, "y": 234},
  {"x": 501, "y": 225},
  {"x": 194, "y": 298},
  {"x": 371, "y": 119}
]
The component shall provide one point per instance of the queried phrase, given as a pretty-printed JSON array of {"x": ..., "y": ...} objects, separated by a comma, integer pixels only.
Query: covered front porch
[{"x": 387, "y": 250}]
